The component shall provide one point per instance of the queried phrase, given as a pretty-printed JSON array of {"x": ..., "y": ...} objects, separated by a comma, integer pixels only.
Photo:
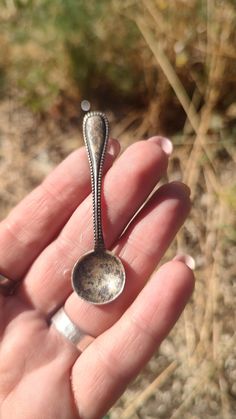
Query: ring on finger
[{"x": 67, "y": 328}]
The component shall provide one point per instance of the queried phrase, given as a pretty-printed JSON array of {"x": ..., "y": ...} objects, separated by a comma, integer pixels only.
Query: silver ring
[
  {"x": 7, "y": 286},
  {"x": 70, "y": 331}
]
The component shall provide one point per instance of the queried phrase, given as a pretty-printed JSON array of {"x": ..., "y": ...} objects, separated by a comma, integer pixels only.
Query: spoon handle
[{"x": 95, "y": 131}]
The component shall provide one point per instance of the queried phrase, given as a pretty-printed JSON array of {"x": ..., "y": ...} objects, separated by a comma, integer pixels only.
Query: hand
[{"x": 42, "y": 374}]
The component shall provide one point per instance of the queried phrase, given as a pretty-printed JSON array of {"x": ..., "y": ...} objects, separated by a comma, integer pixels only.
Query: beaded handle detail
[{"x": 95, "y": 131}]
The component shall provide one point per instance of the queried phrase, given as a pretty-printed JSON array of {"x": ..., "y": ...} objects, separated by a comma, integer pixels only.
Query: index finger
[{"x": 39, "y": 217}]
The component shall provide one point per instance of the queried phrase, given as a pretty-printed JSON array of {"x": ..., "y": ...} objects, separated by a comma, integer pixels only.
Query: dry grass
[
  {"x": 193, "y": 375},
  {"x": 205, "y": 337}
]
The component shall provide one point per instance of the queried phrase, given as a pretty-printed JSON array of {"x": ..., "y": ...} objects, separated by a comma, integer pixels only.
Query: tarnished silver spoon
[{"x": 98, "y": 276}]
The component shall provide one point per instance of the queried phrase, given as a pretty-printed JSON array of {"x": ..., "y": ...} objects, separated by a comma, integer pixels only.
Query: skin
[{"x": 42, "y": 375}]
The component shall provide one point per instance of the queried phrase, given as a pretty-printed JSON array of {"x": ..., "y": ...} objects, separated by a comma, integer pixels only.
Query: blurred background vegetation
[{"x": 155, "y": 67}]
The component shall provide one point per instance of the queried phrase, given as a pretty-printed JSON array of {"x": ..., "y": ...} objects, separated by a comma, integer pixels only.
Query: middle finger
[
  {"x": 141, "y": 248},
  {"x": 126, "y": 186}
]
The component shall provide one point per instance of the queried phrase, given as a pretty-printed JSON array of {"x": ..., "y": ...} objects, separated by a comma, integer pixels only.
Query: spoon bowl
[{"x": 98, "y": 277}]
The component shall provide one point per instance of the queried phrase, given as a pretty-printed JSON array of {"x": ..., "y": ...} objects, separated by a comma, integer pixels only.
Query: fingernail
[
  {"x": 113, "y": 147},
  {"x": 187, "y": 259},
  {"x": 164, "y": 143},
  {"x": 182, "y": 185}
]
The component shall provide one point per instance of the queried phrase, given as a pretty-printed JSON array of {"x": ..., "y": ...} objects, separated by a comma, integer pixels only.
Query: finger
[
  {"x": 126, "y": 187},
  {"x": 105, "y": 368},
  {"x": 140, "y": 249},
  {"x": 36, "y": 221}
]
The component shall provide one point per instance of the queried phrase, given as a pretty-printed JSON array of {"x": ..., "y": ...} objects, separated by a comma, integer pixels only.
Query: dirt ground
[{"x": 193, "y": 373}]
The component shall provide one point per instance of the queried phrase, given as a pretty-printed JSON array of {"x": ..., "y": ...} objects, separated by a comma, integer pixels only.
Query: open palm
[{"x": 42, "y": 374}]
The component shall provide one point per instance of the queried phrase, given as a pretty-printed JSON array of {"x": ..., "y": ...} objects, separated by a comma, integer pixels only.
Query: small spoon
[{"x": 98, "y": 276}]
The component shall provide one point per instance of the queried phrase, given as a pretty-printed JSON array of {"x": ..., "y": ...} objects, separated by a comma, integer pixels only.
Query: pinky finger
[{"x": 103, "y": 371}]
